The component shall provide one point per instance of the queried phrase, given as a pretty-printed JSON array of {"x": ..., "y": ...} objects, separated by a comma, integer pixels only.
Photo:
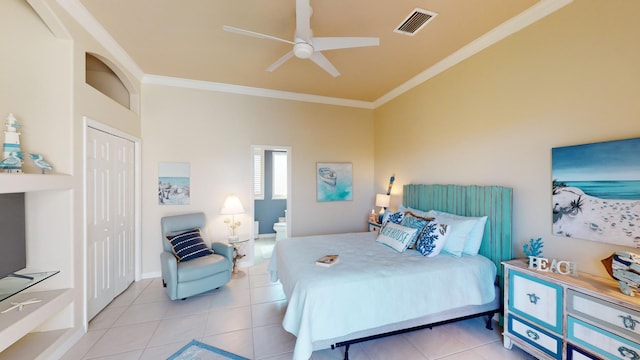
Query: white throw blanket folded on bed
[{"x": 371, "y": 286}]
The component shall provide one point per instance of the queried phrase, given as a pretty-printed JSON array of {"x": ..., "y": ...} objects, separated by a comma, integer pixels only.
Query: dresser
[{"x": 554, "y": 316}]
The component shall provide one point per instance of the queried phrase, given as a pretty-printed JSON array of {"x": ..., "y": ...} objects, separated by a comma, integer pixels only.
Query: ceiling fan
[{"x": 306, "y": 46}]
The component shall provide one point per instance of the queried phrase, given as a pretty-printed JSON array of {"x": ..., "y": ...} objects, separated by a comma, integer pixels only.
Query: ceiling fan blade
[
  {"x": 324, "y": 63},
  {"x": 303, "y": 19},
  {"x": 332, "y": 43},
  {"x": 254, "y": 34},
  {"x": 280, "y": 61}
]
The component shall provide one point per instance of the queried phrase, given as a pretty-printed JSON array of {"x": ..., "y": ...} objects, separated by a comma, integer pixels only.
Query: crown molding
[
  {"x": 246, "y": 90},
  {"x": 93, "y": 27},
  {"x": 513, "y": 25}
]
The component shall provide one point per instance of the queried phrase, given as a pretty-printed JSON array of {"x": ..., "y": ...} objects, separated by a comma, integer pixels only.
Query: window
[
  {"x": 279, "y": 166},
  {"x": 258, "y": 170}
]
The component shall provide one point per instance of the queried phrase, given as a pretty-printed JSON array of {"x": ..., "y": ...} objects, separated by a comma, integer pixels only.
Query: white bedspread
[{"x": 371, "y": 285}]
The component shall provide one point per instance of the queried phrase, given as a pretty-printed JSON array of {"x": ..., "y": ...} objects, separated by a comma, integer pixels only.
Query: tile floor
[{"x": 244, "y": 317}]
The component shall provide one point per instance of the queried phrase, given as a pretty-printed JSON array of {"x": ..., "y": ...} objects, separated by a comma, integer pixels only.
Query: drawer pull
[
  {"x": 629, "y": 322},
  {"x": 533, "y": 335},
  {"x": 628, "y": 353},
  {"x": 533, "y": 298}
]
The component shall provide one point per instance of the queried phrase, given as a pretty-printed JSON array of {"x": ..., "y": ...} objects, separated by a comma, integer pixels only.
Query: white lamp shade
[
  {"x": 232, "y": 206},
  {"x": 382, "y": 200}
]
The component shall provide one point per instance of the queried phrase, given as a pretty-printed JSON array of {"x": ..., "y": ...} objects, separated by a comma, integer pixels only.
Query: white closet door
[
  {"x": 110, "y": 247},
  {"x": 123, "y": 217}
]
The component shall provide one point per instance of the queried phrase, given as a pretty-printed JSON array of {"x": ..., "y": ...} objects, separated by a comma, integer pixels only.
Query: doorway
[
  {"x": 111, "y": 177},
  {"x": 270, "y": 197}
]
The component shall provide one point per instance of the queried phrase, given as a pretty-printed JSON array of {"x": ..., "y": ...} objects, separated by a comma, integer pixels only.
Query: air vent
[{"x": 415, "y": 21}]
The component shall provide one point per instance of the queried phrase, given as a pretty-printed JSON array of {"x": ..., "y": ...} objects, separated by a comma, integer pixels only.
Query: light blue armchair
[{"x": 184, "y": 279}]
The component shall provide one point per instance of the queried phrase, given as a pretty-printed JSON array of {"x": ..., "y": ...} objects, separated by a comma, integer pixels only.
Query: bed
[{"x": 374, "y": 291}]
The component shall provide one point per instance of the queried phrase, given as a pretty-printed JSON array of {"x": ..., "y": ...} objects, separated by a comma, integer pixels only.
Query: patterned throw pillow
[
  {"x": 188, "y": 245},
  {"x": 396, "y": 236},
  {"x": 415, "y": 222},
  {"x": 432, "y": 238},
  {"x": 394, "y": 217}
]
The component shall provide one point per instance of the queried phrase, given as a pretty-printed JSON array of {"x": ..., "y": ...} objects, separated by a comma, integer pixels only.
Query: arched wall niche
[{"x": 107, "y": 78}]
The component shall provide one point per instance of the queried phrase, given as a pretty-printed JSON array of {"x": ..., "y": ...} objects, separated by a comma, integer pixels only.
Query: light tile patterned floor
[{"x": 244, "y": 317}]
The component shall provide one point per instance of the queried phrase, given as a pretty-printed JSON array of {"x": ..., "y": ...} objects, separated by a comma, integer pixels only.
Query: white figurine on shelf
[{"x": 39, "y": 161}]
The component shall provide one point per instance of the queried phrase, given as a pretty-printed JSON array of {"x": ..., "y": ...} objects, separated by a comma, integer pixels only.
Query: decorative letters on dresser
[{"x": 554, "y": 316}]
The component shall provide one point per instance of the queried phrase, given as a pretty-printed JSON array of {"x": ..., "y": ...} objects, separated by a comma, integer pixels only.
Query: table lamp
[
  {"x": 382, "y": 200},
  {"x": 232, "y": 206}
]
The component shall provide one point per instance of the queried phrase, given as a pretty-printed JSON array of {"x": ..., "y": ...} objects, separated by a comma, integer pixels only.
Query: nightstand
[{"x": 374, "y": 227}]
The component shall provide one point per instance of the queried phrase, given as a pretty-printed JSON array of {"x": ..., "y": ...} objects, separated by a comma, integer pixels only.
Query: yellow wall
[
  {"x": 571, "y": 78},
  {"x": 214, "y": 132}
]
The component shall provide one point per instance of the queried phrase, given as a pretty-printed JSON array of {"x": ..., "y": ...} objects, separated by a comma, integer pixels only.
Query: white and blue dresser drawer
[
  {"x": 604, "y": 314},
  {"x": 544, "y": 340},
  {"x": 536, "y": 300},
  {"x": 600, "y": 341}
]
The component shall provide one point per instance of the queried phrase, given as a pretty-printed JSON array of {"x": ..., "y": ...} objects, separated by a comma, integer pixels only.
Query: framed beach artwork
[
  {"x": 334, "y": 181},
  {"x": 596, "y": 192},
  {"x": 174, "y": 183}
]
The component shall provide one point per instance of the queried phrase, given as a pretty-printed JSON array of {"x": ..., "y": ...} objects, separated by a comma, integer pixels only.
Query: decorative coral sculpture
[{"x": 533, "y": 248}]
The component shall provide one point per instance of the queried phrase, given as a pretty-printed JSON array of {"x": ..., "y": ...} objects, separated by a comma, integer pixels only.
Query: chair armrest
[
  {"x": 169, "y": 267},
  {"x": 223, "y": 249},
  {"x": 169, "y": 263}
]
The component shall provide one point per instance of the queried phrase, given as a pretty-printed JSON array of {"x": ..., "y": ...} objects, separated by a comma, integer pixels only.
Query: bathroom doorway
[{"x": 271, "y": 197}]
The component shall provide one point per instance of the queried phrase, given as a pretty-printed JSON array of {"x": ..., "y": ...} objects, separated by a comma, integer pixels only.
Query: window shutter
[{"x": 258, "y": 174}]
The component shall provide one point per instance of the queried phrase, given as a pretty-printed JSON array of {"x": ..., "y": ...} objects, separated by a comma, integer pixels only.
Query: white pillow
[
  {"x": 474, "y": 238},
  {"x": 396, "y": 236}
]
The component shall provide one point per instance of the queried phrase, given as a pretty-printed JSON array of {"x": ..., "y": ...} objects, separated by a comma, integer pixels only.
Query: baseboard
[
  {"x": 266, "y": 236},
  {"x": 151, "y": 275}
]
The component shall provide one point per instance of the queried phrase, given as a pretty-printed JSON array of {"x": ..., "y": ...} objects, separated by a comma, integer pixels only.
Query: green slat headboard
[{"x": 493, "y": 201}]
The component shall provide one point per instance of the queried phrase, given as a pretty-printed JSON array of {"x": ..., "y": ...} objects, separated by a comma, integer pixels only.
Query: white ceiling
[{"x": 184, "y": 39}]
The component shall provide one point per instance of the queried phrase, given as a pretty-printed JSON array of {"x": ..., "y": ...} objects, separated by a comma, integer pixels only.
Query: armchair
[{"x": 188, "y": 278}]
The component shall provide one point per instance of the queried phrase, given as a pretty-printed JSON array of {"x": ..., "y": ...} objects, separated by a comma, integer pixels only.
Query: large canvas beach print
[
  {"x": 334, "y": 181},
  {"x": 596, "y": 192}
]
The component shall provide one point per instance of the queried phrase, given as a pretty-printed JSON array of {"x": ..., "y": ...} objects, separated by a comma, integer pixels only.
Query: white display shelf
[
  {"x": 11, "y": 183},
  {"x": 14, "y": 325}
]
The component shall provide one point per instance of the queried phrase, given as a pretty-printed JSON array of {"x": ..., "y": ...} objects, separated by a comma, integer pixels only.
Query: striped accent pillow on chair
[{"x": 188, "y": 245}]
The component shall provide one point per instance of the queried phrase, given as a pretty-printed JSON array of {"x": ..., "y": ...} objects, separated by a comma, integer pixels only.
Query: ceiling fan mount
[
  {"x": 302, "y": 50},
  {"x": 305, "y": 46}
]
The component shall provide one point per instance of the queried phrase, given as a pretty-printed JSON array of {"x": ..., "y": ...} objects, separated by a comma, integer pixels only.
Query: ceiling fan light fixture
[{"x": 302, "y": 50}]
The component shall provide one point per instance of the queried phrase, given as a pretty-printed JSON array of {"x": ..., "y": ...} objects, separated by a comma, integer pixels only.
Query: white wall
[
  {"x": 214, "y": 132},
  {"x": 571, "y": 78}
]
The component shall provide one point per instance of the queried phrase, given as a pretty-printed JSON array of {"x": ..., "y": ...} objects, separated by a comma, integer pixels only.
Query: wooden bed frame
[{"x": 493, "y": 201}]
